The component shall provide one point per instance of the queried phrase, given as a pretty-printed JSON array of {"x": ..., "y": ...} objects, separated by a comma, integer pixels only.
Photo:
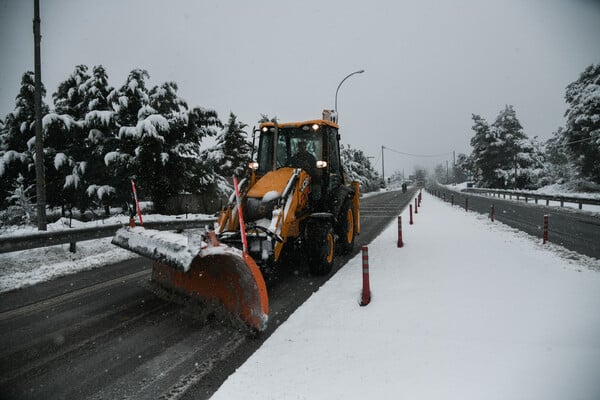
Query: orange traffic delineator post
[
  {"x": 416, "y": 206},
  {"x": 400, "y": 242},
  {"x": 411, "y": 218},
  {"x": 366, "y": 289},
  {"x": 545, "y": 234}
]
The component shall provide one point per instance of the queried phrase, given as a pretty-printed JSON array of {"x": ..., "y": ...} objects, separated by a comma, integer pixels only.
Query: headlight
[
  {"x": 253, "y": 165},
  {"x": 321, "y": 164}
]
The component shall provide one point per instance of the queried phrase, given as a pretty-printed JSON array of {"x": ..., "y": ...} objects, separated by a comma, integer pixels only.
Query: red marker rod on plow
[
  {"x": 137, "y": 203},
  {"x": 240, "y": 215}
]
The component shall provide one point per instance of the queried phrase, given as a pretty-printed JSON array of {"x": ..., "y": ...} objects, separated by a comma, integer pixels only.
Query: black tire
[
  {"x": 346, "y": 228},
  {"x": 320, "y": 246}
]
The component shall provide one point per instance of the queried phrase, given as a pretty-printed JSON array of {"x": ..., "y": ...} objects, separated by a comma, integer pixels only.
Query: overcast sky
[{"x": 428, "y": 65}]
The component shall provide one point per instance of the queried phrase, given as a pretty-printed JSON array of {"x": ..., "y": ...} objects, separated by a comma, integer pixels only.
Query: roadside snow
[
  {"x": 467, "y": 309},
  {"x": 29, "y": 267}
]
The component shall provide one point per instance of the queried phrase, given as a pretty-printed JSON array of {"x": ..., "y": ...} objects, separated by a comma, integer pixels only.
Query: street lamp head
[{"x": 360, "y": 71}]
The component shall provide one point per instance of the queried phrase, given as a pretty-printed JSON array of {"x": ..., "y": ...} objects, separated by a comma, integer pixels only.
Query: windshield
[{"x": 296, "y": 147}]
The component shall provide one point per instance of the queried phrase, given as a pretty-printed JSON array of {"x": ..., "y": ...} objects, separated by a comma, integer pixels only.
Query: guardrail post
[
  {"x": 366, "y": 289},
  {"x": 73, "y": 247},
  {"x": 452, "y": 198},
  {"x": 492, "y": 212},
  {"x": 411, "y": 217},
  {"x": 580, "y": 205},
  {"x": 466, "y": 204},
  {"x": 416, "y": 206},
  {"x": 545, "y": 233}
]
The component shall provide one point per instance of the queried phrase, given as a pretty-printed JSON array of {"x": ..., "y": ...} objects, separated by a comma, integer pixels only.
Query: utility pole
[
  {"x": 39, "y": 140},
  {"x": 382, "y": 166}
]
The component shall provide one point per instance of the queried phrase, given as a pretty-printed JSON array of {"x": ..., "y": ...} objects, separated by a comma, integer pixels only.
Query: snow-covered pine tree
[
  {"x": 120, "y": 156},
  {"x": 65, "y": 143},
  {"x": 557, "y": 168},
  {"x": 514, "y": 150},
  {"x": 233, "y": 150},
  {"x": 357, "y": 167},
  {"x": 171, "y": 164},
  {"x": 503, "y": 156},
  {"x": 100, "y": 128},
  {"x": 17, "y": 139},
  {"x": 532, "y": 160},
  {"x": 160, "y": 131},
  {"x": 160, "y": 148},
  {"x": 485, "y": 153},
  {"x": 463, "y": 168},
  {"x": 582, "y": 130}
]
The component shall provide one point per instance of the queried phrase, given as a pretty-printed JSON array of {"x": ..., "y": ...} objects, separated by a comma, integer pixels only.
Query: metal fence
[
  {"x": 72, "y": 236},
  {"x": 526, "y": 196}
]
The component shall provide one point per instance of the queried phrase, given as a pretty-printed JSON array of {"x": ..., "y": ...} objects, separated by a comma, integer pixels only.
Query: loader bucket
[{"x": 221, "y": 273}]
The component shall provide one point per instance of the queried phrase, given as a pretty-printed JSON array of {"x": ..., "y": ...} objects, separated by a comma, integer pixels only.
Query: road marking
[{"x": 50, "y": 302}]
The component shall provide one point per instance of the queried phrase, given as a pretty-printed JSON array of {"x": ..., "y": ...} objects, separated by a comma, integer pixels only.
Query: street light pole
[
  {"x": 338, "y": 88},
  {"x": 382, "y": 166}
]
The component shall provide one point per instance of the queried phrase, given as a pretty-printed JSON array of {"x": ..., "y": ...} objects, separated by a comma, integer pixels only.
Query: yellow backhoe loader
[{"x": 294, "y": 198}]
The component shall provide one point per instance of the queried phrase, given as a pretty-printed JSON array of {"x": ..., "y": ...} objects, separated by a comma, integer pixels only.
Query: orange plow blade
[
  {"x": 221, "y": 273},
  {"x": 234, "y": 280}
]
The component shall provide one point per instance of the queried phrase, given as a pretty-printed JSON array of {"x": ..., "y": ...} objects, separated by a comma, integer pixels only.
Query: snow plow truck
[{"x": 293, "y": 200}]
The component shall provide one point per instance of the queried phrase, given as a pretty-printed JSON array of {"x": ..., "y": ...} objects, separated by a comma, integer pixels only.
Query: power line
[
  {"x": 579, "y": 141},
  {"x": 417, "y": 155}
]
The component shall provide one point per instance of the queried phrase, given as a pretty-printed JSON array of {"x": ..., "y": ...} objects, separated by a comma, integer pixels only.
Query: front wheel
[
  {"x": 346, "y": 227},
  {"x": 321, "y": 247}
]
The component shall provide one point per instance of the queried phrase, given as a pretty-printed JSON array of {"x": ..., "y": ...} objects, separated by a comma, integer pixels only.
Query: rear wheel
[
  {"x": 320, "y": 246},
  {"x": 346, "y": 227}
]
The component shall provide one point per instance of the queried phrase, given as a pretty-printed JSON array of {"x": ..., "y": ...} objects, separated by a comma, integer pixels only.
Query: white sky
[{"x": 429, "y": 64}]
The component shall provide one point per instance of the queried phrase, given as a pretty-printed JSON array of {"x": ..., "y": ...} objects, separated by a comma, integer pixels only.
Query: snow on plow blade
[{"x": 220, "y": 273}]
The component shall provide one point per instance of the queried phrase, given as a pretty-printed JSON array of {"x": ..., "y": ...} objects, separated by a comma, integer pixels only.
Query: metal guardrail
[
  {"x": 526, "y": 196},
  {"x": 72, "y": 236}
]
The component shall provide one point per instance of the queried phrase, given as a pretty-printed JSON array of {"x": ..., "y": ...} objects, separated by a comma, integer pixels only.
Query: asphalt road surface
[
  {"x": 102, "y": 334},
  {"x": 575, "y": 230}
]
